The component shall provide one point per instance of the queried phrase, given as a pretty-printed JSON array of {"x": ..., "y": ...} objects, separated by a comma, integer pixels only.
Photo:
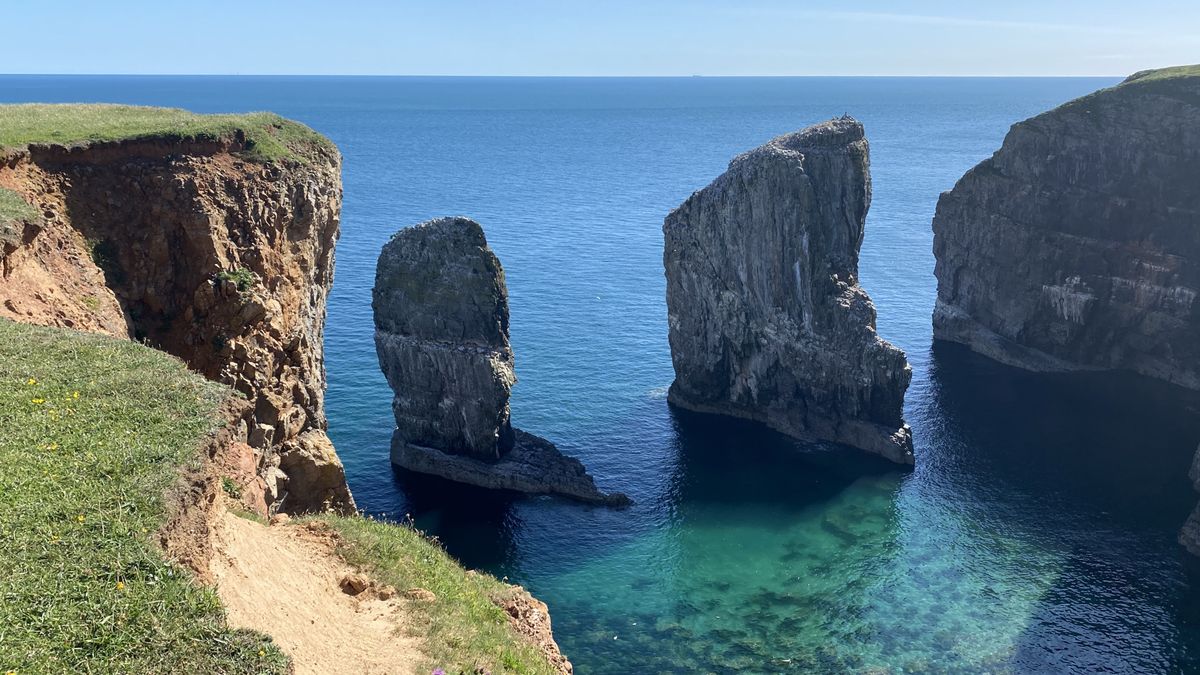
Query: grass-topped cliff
[
  {"x": 269, "y": 137},
  {"x": 96, "y": 431}
]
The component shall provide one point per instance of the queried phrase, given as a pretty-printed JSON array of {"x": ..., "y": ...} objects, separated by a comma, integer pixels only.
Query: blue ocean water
[{"x": 1036, "y": 533}]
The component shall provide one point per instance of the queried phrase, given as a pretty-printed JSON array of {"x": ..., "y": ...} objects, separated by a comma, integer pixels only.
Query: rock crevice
[{"x": 765, "y": 315}]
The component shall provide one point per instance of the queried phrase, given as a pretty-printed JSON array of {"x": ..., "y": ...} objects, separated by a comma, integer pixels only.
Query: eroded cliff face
[
  {"x": 221, "y": 261},
  {"x": 441, "y": 334},
  {"x": 1077, "y": 245},
  {"x": 766, "y": 318}
]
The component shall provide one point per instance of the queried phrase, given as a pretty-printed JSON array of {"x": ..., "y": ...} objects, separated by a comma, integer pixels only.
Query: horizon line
[{"x": 564, "y": 77}]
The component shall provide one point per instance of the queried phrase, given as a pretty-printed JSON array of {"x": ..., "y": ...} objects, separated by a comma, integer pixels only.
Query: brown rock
[
  {"x": 165, "y": 218},
  {"x": 420, "y": 595},
  {"x": 353, "y": 584}
]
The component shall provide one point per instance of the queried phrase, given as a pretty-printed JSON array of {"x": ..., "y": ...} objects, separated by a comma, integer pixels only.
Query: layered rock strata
[
  {"x": 441, "y": 334},
  {"x": 766, "y": 318},
  {"x": 223, "y": 261},
  {"x": 1077, "y": 244}
]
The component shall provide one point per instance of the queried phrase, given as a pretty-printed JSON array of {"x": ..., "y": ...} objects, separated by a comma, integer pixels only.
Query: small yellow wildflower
[
  {"x": 10, "y": 672},
  {"x": 261, "y": 653},
  {"x": 79, "y": 518},
  {"x": 74, "y": 394},
  {"x": 31, "y": 382},
  {"x": 120, "y": 585},
  {"x": 37, "y": 401}
]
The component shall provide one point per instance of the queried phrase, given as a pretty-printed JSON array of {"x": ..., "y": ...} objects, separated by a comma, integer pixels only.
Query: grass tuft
[
  {"x": 463, "y": 629},
  {"x": 269, "y": 137},
  {"x": 14, "y": 207},
  {"x": 94, "y": 429}
]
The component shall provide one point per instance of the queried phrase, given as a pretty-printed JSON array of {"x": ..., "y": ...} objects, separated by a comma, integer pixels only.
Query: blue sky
[{"x": 616, "y": 37}]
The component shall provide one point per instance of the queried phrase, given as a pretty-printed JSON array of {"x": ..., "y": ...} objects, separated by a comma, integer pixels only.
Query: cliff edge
[
  {"x": 1077, "y": 244},
  {"x": 210, "y": 237},
  {"x": 766, "y": 318}
]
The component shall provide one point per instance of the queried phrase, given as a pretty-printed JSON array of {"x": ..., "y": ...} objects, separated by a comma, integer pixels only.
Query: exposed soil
[{"x": 322, "y": 627}]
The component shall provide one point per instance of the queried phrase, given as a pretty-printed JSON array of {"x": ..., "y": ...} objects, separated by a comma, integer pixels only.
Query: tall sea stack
[
  {"x": 441, "y": 333},
  {"x": 766, "y": 317}
]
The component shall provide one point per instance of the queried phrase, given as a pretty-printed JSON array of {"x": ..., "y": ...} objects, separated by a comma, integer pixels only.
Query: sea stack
[
  {"x": 1077, "y": 244},
  {"x": 766, "y": 317},
  {"x": 441, "y": 333}
]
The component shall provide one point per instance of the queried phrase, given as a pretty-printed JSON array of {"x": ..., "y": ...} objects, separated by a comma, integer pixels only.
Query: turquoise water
[{"x": 1036, "y": 533}]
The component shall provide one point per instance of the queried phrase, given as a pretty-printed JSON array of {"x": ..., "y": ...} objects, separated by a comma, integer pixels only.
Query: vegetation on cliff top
[
  {"x": 463, "y": 629},
  {"x": 1164, "y": 74},
  {"x": 268, "y": 136},
  {"x": 94, "y": 430}
]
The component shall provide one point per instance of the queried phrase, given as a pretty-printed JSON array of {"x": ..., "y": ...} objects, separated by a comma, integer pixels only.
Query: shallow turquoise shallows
[{"x": 1036, "y": 533}]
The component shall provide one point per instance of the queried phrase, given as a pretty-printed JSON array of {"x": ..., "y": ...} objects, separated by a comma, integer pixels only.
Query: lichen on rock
[
  {"x": 765, "y": 315},
  {"x": 441, "y": 334}
]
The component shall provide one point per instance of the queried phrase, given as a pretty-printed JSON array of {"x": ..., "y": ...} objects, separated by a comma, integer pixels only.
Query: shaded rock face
[
  {"x": 766, "y": 318},
  {"x": 223, "y": 262},
  {"x": 1190, "y": 535},
  {"x": 1077, "y": 244},
  {"x": 441, "y": 334}
]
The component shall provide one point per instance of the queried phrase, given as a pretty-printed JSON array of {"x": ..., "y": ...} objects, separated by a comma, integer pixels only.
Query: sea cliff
[{"x": 208, "y": 237}]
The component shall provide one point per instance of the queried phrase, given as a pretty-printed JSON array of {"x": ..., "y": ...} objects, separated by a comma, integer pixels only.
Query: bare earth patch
[{"x": 286, "y": 581}]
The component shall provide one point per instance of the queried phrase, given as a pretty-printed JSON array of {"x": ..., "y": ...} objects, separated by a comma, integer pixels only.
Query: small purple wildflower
[{"x": 439, "y": 671}]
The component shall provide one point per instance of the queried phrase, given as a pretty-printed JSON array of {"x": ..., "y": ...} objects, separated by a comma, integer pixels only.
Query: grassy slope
[
  {"x": 463, "y": 629},
  {"x": 82, "y": 586},
  {"x": 92, "y": 430}
]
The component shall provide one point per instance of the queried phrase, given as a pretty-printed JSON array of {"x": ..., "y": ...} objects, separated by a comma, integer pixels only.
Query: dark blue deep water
[{"x": 1036, "y": 534}]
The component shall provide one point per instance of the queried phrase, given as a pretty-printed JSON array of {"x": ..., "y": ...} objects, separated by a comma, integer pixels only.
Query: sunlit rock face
[
  {"x": 766, "y": 318},
  {"x": 1077, "y": 245}
]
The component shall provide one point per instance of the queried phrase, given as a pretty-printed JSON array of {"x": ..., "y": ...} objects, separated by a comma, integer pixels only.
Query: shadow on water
[
  {"x": 476, "y": 525},
  {"x": 1089, "y": 471},
  {"x": 739, "y": 462}
]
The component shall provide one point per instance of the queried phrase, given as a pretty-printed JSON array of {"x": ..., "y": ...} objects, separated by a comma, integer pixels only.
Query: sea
[{"x": 1036, "y": 533}]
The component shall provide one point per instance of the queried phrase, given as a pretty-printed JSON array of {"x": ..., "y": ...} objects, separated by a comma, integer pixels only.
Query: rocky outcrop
[
  {"x": 197, "y": 250},
  {"x": 1076, "y": 245},
  {"x": 1190, "y": 535},
  {"x": 441, "y": 333},
  {"x": 766, "y": 317}
]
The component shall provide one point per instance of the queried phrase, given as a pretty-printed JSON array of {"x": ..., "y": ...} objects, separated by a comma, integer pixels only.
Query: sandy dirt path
[{"x": 285, "y": 581}]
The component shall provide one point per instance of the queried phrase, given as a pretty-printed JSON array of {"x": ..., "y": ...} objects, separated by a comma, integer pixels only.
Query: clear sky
[{"x": 599, "y": 37}]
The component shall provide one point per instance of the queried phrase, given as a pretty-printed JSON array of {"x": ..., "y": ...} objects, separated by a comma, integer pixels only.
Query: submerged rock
[
  {"x": 441, "y": 334},
  {"x": 1075, "y": 246},
  {"x": 766, "y": 317},
  {"x": 1190, "y": 535}
]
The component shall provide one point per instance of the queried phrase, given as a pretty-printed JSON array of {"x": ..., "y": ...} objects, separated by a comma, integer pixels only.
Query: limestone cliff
[
  {"x": 1077, "y": 244},
  {"x": 194, "y": 247},
  {"x": 441, "y": 333},
  {"x": 766, "y": 318}
]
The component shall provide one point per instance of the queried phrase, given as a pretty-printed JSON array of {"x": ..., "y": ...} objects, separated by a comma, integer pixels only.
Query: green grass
[
  {"x": 1164, "y": 74},
  {"x": 269, "y": 136},
  {"x": 463, "y": 628},
  {"x": 13, "y": 207},
  {"x": 93, "y": 432}
]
